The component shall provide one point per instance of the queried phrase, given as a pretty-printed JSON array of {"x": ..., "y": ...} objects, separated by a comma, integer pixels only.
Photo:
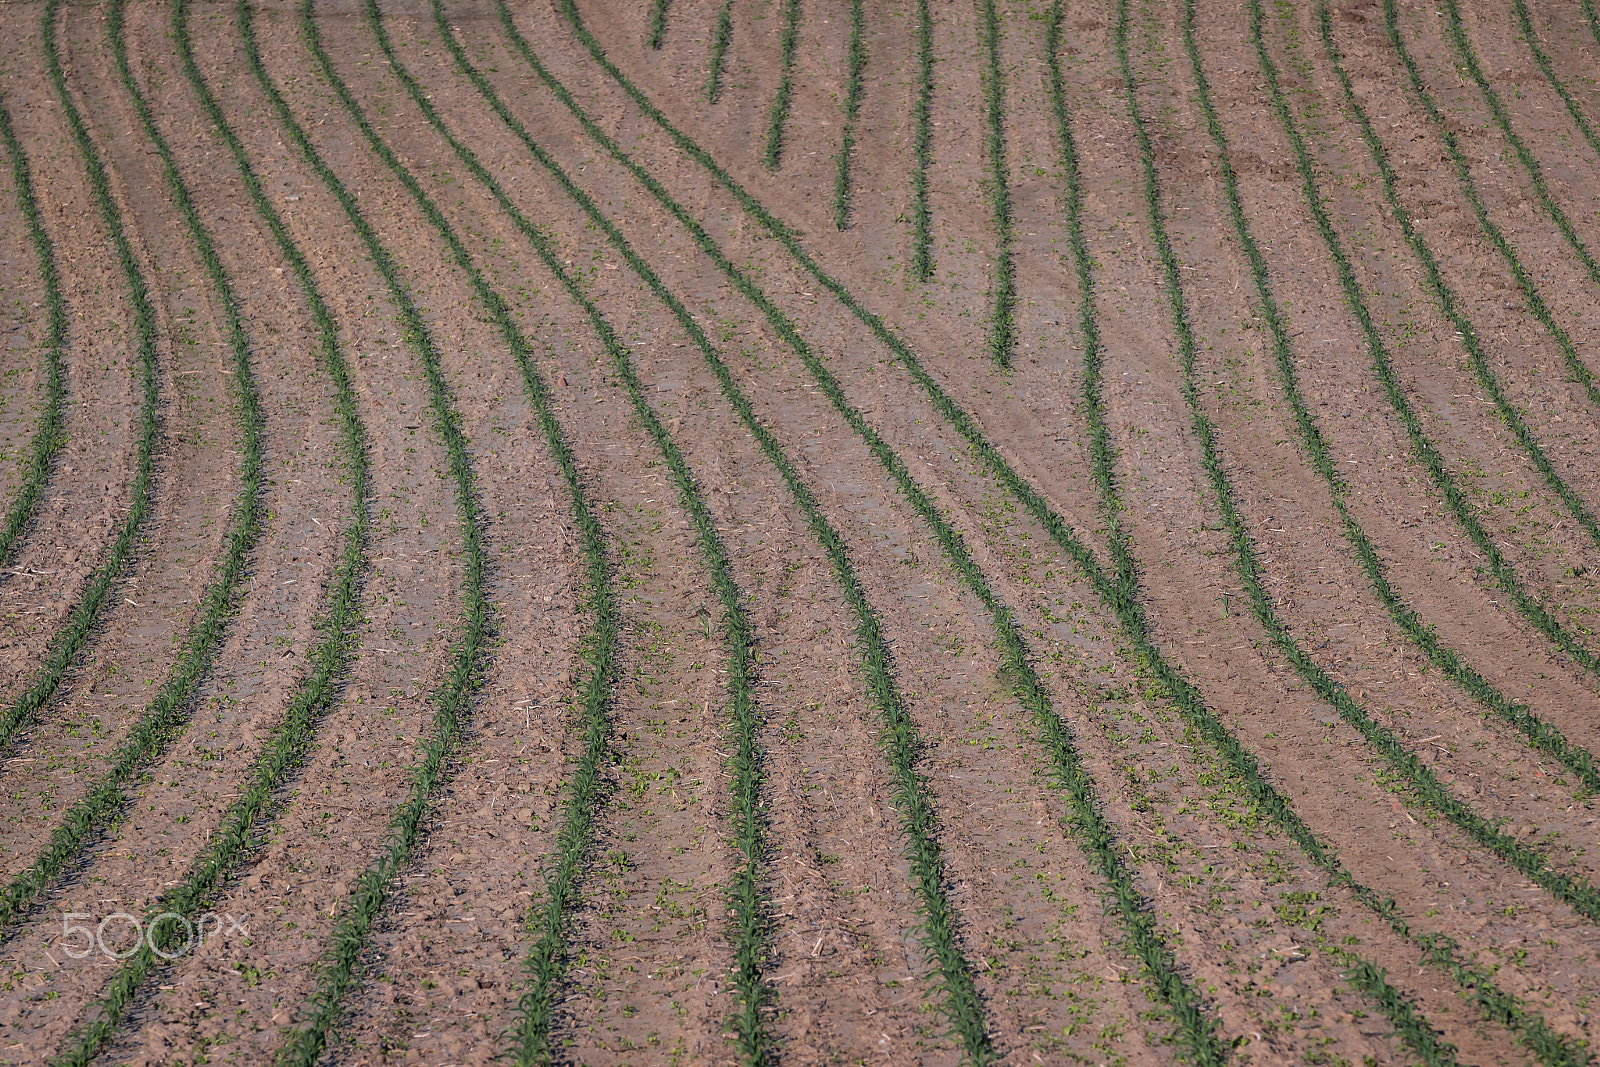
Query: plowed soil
[{"x": 1320, "y": 839}]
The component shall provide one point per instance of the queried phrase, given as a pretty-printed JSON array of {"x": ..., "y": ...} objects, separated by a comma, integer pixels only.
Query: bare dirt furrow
[
  {"x": 195, "y": 493},
  {"x": 1427, "y": 560},
  {"x": 689, "y": 867},
  {"x": 173, "y": 816},
  {"x": 872, "y": 493},
  {"x": 78, "y": 518},
  {"x": 1210, "y": 312},
  {"x": 21, "y": 287},
  {"x": 1544, "y": 542},
  {"x": 1284, "y": 501},
  {"x": 24, "y": 326},
  {"x": 336, "y": 816}
]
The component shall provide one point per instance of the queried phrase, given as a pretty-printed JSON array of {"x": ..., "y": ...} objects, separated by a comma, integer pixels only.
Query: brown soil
[
  {"x": 1254, "y": 927},
  {"x": 22, "y": 333}
]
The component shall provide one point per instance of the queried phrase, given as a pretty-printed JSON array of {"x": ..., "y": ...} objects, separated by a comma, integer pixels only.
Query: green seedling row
[
  {"x": 229, "y": 846},
  {"x": 548, "y": 921},
  {"x": 74, "y": 633},
  {"x": 304, "y": 1044},
  {"x": 658, "y": 22},
  {"x": 721, "y": 37},
  {"x": 165, "y": 717},
  {"x": 1437, "y": 950},
  {"x": 922, "y": 150},
  {"x": 1002, "y": 340},
  {"x": 855, "y": 65},
  {"x": 1194, "y": 1030},
  {"x": 51, "y": 433},
  {"x": 778, "y": 117}
]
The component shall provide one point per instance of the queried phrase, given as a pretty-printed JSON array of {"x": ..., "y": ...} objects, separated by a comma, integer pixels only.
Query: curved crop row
[
  {"x": 922, "y": 149},
  {"x": 74, "y": 633},
  {"x": 52, "y": 432},
  {"x": 1525, "y": 283},
  {"x": 1002, "y": 315},
  {"x": 1436, "y": 949},
  {"x": 1447, "y": 299},
  {"x": 549, "y": 922},
  {"x": 855, "y": 64},
  {"x": 1531, "y": 1028},
  {"x": 1096, "y": 835},
  {"x": 1469, "y": 60},
  {"x": 1519, "y": 11},
  {"x": 1576, "y": 892},
  {"x": 229, "y": 845},
  {"x": 779, "y": 115},
  {"x": 166, "y": 715},
  {"x": 1422, "y": 447},
  {"x": 901, "y": 738},
  {"x": 1424, "y": 784},
  {"x": 1362, "y": 973},
  {"x": 1542, "y": 735},
  {"x": 453, "y": 699},
  {"x": 1102, "y": 453}
]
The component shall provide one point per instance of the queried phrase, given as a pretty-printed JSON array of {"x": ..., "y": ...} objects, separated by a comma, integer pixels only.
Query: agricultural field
[{"x": 774, "y": 532}]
